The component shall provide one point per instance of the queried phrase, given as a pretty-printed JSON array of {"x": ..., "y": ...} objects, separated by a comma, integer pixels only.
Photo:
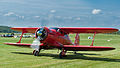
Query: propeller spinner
[{"x": 39, "y": 33}]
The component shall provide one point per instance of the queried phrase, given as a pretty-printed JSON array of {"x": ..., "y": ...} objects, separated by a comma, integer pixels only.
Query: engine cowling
[{"x": 41, "y": 34}]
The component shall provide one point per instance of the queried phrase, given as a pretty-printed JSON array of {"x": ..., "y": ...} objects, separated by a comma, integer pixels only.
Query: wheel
[
  {"x": 33, "y": 51},
  {"x": 36, "y": 53},
  {"x": 60, "y": 55},
  {"x": 75, "y": 52}
]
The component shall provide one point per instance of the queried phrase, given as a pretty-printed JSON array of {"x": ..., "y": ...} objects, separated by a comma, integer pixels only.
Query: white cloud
[
  {"x": 9, "y": 13},
  {"x": 19, "y": 16},
  {"x": 52, "y": 11},
  {"x": 96, "y": 11},
  {"x": 69, "y": 17},
  {"x": 22, "y": 17},
  {"x": 78, "y": 18},
  {"x": 58, "y": 16},
  {"x": 37, "y": 16},
  {"x": 12, "y": 13},
  {"x": 50, "y": 15}
]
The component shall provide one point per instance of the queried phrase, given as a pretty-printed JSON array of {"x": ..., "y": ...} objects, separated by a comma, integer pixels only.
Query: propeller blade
[{"x": 36, "y": 44}]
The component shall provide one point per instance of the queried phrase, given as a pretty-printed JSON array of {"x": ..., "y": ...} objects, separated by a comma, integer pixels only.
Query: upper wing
[
  {"x": 25, "y": 30},
  {"x": 86, "y": 48},
  {"x": 88, "y": 30},
  {"x": 72, "y": 30}
]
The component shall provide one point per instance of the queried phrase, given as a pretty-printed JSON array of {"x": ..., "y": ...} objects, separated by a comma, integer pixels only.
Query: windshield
[{"x": 55, "y": 28}]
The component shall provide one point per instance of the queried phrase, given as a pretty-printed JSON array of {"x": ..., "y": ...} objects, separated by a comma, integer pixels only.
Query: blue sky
[{"x": 60, "y": 13}]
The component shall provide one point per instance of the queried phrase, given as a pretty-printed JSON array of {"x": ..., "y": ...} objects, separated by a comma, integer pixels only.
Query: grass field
[{"x": 17, "y": 57}]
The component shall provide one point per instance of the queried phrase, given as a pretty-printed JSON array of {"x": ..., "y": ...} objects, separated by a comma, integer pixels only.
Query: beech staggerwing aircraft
[{"x": 57, "y": 37}]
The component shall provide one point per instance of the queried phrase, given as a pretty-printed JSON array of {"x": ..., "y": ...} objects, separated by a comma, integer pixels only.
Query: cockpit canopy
[{"x": 58, "y": 30}]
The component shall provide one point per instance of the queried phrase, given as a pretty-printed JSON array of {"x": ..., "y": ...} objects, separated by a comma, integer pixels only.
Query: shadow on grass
[
  {"x": 77, "y": 56},
  {"x": 86, "y": 54},
  {"x": 22, "y": 53}
]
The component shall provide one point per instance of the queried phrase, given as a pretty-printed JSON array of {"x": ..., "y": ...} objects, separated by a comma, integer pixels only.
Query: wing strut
[
  {"x": 77, "y": 39},
  {"x": 21, "y": 37},
  {"x": 93, "y": 39}
]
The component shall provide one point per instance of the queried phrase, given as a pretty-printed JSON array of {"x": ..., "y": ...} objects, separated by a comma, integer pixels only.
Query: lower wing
[
  {"x": 86, "y": 48},
  {"x": 19, "y": 44},
  {"x": 70, "y": 47}
]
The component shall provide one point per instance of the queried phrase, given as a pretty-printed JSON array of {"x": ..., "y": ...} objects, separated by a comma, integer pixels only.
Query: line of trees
[
  {"x": 116, "y": 32},
  {"x": 6, "y": 29}
]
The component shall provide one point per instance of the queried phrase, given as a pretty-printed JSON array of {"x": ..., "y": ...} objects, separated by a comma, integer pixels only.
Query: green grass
[{"x": 18, "y": 57}]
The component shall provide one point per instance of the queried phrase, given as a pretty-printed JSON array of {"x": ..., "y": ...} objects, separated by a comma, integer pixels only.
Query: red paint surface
[
  {"x": 88, "y": 30},
  {"x": 25, "y": 30},
  {"x": 57, "y": 39},
  {"x": 87, "y": 48}
]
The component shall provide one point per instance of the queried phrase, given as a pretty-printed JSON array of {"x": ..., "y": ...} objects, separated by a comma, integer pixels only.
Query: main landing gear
[
  {"x": 62, "y": 54},
  {"x": 75, "y": 52},
  {"x": 36, "y": 52}
]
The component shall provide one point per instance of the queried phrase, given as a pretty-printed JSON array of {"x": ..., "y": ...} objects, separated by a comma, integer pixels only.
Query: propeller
[{"x": 36, "y": 43}]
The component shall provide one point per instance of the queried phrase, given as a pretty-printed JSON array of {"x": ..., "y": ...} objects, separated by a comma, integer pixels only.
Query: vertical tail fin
[{"x": 77, "y": 39}]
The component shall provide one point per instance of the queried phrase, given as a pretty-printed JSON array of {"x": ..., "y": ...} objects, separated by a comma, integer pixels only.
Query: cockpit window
[
  {"x": 60, "y": 31},
  {"x": 57, "y": 29}
]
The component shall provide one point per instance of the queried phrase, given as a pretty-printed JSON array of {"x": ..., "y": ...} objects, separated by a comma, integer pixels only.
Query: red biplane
[{"x": 49, "y": 38}]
